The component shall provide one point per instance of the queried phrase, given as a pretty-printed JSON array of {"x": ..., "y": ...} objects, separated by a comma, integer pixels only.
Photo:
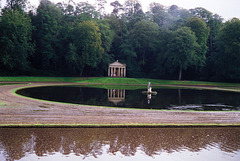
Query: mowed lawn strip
[{"x": 119, "y": 81}]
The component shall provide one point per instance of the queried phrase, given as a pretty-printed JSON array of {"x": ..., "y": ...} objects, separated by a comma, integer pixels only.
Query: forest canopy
[{"x": 80, "y": 39}]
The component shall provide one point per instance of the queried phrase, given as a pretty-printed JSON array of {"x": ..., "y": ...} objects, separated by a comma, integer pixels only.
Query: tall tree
[
  {"x": 144, "y": 38},
  {"x": 101, "y": 7},
  {"x": 199, "y": 27},
  {"x": 133, "y": 12},
  {"x": 179, "y": 16},
  {"x": 15, "y": 40},
  {"x": 161, "y": 68},
  {"x": 85, "y": 11},
  {"x": 182, "y": 49},
  {"x": 73, "y": 60},
  {"x": 160, "y": 15},
  {"x": 214, "y": 25},
  {"x": 47, "y": 22},
  {"x": 16, "y": 4},
  {"x": 202, "y": 13},
  {"x": 117, "y": 7},
  {"x": 228, "y": 51},
  {"x": 213, "y": 21},
  {"x": 107, "y": 36},
  {"x": 87, "y": 39}
]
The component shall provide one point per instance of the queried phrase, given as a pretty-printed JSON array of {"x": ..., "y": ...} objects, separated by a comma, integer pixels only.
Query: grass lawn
[
  {"x": 116, "y": 81},
  {"x": 144, "y": 81},
  {"x": 2, "y": 104},
  {"x": 41, "y": 79}
]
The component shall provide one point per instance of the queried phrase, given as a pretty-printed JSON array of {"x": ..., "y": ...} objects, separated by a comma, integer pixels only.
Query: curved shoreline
[{"x": 25, "y": 112}]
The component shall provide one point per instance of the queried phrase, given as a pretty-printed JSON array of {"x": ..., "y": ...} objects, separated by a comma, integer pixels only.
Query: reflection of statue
[
  {"x": 116, "y": 95},
  {"x": 149, "y": 97}
]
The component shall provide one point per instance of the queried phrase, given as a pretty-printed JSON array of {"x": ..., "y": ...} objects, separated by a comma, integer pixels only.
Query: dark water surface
[
  {"x": 167, "y": 98},
  {"x": 120, "y": 144}
]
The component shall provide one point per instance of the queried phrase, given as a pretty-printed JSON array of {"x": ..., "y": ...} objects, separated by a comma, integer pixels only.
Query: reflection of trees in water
[
  {"x": 90, "y": 141},
  {"x": 14, "y": 142}
]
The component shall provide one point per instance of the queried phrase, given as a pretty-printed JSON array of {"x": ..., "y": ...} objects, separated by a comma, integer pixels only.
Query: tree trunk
[
  {"x": 81, "y": 73},
  {"x": 211, "y": 43},
  {"x": 81, "y": 70},
  {"x": 180, "y": 73}
]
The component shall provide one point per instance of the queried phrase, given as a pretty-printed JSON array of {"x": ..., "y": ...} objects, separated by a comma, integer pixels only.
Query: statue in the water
[
  {"x": 149, "y": 92},
  {"x": 149, "y": 87}
]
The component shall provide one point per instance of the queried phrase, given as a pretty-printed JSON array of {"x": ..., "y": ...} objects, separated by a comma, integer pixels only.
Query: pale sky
[{"x": 225, "y": 8}]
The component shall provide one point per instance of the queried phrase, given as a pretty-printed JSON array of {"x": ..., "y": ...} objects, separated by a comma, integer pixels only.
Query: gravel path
[{"x": 19, "y": 110}]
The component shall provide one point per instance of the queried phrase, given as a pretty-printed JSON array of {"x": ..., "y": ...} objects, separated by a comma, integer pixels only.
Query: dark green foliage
[
  {"x": 227, "y": 58},
  {"x": 107, "y": 36},
  {"x": 73, "y": 60},
  {"x": 47, "y": 23},
  {"x": 79, "y": 39},
  {"x": 144, "y": 37},
  {"x": 199, "y": 27},
  {"x": 182, "y": 49},
  {"x": 19, "y": 5},
  {"x": 87, "y": 38},
  {"x": 15, "y": 40}
]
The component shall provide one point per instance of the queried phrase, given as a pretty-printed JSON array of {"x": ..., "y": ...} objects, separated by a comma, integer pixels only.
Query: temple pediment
[{"x": 117, "y": 64}]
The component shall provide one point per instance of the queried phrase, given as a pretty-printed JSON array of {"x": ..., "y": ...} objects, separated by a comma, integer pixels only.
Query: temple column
[
  {"x": 124, "y": 73},
  {"x": 109, "y": 71}
]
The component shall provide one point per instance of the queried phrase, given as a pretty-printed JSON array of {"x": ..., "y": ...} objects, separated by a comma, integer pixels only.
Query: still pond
[
  {"x": 166, "y": 98},
  {"x": 120, "y": 144}
]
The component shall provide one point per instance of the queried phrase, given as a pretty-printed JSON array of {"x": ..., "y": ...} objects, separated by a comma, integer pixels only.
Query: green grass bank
[{"x": 112, "y": 80}]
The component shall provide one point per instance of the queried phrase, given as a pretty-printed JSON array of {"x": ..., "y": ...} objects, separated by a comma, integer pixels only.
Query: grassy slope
[
  {"x": 115, "y": 81},
  {"x": 41, "y": 79},
  {"x": 143, "y": 81}
]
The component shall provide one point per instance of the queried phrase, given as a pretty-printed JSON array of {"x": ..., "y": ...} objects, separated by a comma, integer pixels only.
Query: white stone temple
[{"x": 117, "y": 69}]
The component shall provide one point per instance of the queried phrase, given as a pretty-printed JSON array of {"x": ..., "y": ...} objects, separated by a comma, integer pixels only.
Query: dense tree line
[{"x": 81, "y": 40}]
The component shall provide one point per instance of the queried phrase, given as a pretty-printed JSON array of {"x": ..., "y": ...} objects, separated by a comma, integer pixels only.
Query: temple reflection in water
[{"x": 116, "y": 95}]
